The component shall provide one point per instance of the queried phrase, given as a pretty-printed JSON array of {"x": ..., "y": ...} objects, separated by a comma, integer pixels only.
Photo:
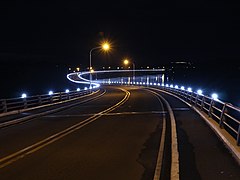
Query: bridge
[{"x": 121, "y": 127}]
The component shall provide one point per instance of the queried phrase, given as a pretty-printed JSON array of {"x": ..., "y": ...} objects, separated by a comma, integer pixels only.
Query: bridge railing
[
  {"x": 13, "y": 105},
  {"x": 225, "y": 114}
]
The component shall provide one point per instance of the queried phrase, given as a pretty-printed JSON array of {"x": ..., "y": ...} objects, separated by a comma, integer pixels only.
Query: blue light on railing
[
  {"x": 182, "y": 88},
  {"x": 189, "y": 89},
  {"x": 167, "y": 85},
  {"x": 171, "y": 86},
  {"x": 85, "y": 88},
  {"x": 215, "y": 96},
  {"x": 24, "y": 95},
  {"x": 200, "y": 92},
  {"x": 176, "y": 86},
  {"x": 78, "y": 89},
  {"x": 50, "y": 93},
  {"x": 67, "y": 91}
]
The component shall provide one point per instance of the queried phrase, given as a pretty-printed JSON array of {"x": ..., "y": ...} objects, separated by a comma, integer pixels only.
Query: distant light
[
  {"x": 200, "y": 92},
  {"x": 167, "y": 85},
  {"x": 171, "y": 86},
  {"x": 182, "y": 88},
  {"x": 67, "y": 91},
  {"x": 85, "y": 88},
  {"x": 215, "y": 96},
  {"x": 24, "y": 95},
  {"x": 189, "y": 89},
  {"x": 154, "y": 84},
  {"x": 176, "y": 86},
  {"x": 78, "y": 89},
  {"x": 50, "y": 93},
  {"x": 150, "y": 83},
  {"x": 162, "y": 85}
]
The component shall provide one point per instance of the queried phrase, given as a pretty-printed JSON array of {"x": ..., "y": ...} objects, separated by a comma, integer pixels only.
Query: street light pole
[
  {"x": 90, "y": 64},
  {"x": 105, "y": 46},
  {"x": 126, "y": 61},
  {"x": 133, "y": 72}
]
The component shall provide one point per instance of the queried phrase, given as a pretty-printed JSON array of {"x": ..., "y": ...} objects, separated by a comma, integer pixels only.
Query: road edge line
[
  {"x": 235, "y": 153},
  {"x": 174, "y": 144},
  {"x": 158, "y": 168}
]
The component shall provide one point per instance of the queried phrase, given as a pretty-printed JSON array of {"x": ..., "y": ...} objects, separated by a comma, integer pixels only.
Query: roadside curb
[{"x": 221, "y": 133}]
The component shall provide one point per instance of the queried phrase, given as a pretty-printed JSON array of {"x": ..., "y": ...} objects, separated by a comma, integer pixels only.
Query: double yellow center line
[{"x": 39, "y": 145}]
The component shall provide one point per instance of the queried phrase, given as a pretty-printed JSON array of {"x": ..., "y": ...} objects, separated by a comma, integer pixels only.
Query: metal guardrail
[
  {"x": 15, "y": 104},
  {"x": 225, "y": 114}
]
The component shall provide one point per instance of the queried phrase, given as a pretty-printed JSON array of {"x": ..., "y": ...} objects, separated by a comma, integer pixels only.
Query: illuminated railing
[
  {"x": 225, "y": 114},
  {"x": 14, "y": 105}
]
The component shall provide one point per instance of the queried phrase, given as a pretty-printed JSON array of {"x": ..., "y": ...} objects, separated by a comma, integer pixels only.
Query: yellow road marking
[{"x": 39, "y": 145}]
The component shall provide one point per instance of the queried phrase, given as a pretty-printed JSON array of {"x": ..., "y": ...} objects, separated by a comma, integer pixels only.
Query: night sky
[{"x": 151, "y": 33}]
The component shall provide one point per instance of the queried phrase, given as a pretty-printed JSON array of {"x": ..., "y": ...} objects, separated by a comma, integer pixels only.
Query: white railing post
[
  {"x": 191, "y": 94},
  {"x": 24, "y": 103},
  {"x": 196, "y": 100},
  {"x": 4, "y": 105},
  {"x": 39, "y": 100},
  {"x": 210, "y": 108},
  {"x": 202, "y": 103},
  {"x": 222, "y": 118},
  {"x": 60, "y": 98},
  {"x": 238, "y": 135}
]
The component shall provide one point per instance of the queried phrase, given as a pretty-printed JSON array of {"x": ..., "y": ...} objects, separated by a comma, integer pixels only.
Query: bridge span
[{"x": 118, "y": 131}]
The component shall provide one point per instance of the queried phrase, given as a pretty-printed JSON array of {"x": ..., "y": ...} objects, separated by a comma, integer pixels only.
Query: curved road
[
  {"x": 115, "y": 136},
  {"x": 119, "y": 143}
]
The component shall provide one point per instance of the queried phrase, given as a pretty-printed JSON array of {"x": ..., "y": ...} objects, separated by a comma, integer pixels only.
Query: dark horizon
[{"x": 53, "y": 36}]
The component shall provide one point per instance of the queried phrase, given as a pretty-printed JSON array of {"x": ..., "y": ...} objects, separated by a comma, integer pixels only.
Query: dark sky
[{"x": 145, "y": 31}]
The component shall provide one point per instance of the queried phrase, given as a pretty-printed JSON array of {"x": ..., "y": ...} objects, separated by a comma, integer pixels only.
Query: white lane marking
[
  {"x": 226, "y": 139},
  {"x": 174, "y": 144},
  {"x": 158, "y": 168}
]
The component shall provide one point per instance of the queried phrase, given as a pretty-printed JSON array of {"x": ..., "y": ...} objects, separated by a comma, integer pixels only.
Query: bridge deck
[{"x": 201, "y": 154}]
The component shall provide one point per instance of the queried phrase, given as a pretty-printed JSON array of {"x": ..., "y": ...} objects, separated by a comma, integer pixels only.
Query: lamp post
[
  {"x": 105, "y": 46},
  {"x": 126, "y": 62}
]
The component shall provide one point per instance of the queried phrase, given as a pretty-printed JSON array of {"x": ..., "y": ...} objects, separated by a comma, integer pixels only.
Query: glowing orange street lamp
[
  {"x": 104, "y": 46},
  {"x": 126, "y": 62}
]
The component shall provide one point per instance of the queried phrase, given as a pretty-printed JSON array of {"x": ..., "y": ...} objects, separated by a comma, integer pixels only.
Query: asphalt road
[
  {"x": 113, "y": 137},
  {"x": 201, "y": 154}
]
